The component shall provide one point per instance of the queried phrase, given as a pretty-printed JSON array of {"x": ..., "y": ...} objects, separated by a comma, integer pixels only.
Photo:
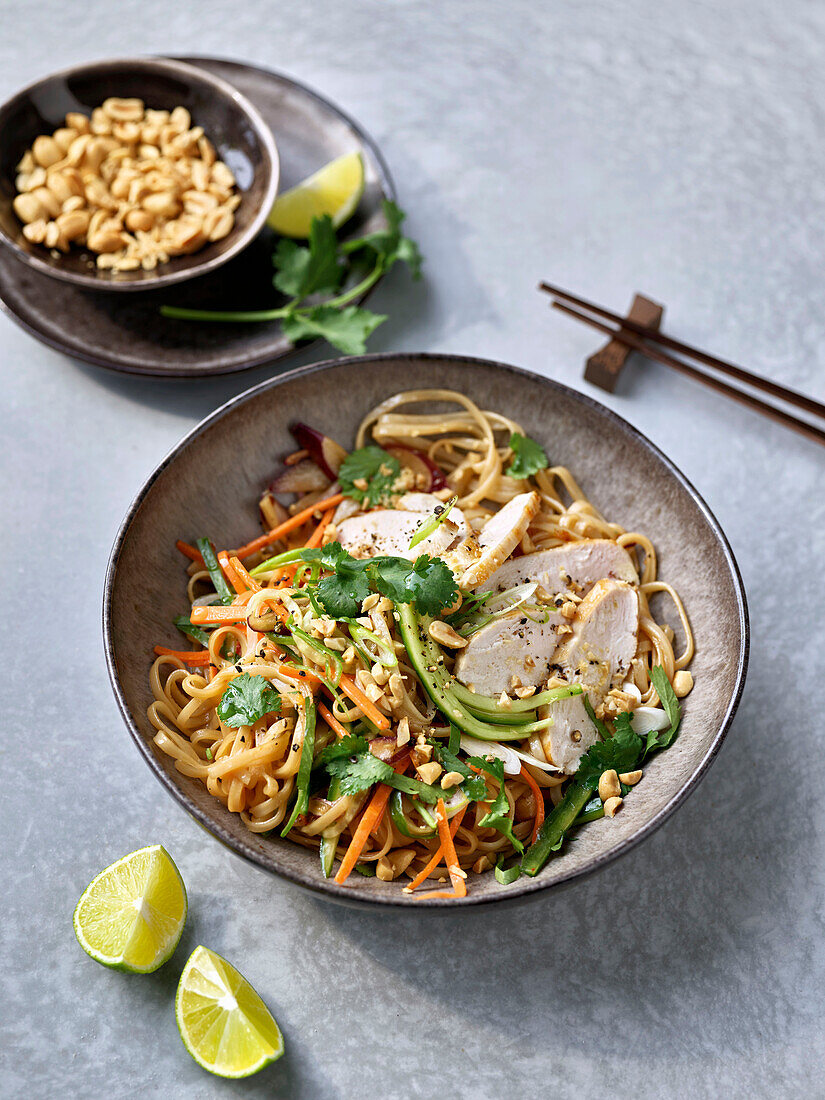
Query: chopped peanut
[
  {"x": 630, "y": 779},
  {"x": 428, "y": 773},
  {"x": 682, "y": 683},
  {"x": 612, "y": 805},
  {"x": 609, "y": 785}
]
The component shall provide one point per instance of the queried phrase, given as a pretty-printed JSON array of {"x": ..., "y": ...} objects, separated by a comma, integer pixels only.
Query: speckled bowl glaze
[
  {"x": 232, "y": 124},
  {"x": 210, "y": 484}
]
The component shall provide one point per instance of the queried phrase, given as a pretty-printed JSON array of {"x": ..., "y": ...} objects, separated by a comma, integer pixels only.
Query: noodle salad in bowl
[{"x": 439, "y": 659}]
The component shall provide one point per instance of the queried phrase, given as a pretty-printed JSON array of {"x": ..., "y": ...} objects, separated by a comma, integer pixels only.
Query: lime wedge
[
  {"x": 131, "y": 916},
  {"x": 224, "y": 1024},
  {"x": 336, "y": 189}
]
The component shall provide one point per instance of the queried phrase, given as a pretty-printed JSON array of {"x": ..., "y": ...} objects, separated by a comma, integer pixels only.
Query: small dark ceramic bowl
[
  {"x": 229, "y": 120},
  {"x": 210, "y": 483}
]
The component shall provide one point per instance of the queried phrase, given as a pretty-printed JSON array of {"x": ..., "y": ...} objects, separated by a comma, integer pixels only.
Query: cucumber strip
[
  {"x": 329, "y": 843},
  {"x": 184, "y": 625},
  {"x": 215, "y": 572},
  {"x": 304, "y": 768},
  {"x": 555, "y": 826},
  {"x": 428, "y": 663},
  {"x": 401, "y": 821}
]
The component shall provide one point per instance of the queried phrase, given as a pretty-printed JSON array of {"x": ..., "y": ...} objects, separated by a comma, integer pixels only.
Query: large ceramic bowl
[
  {"x": 211, "y": 482},
  {"x": 233, "y": 125}
]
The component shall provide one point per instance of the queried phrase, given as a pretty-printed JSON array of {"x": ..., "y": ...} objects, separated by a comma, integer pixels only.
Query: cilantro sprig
[
  {"x": 528, "y": 457},
  {"x": 357, "y": 769},
  {"x": 428, "y": 583},
  {"x": 372, "y": 467},
  {"x": 346, "y": 270},
  {"x": 247, "y": 699}
]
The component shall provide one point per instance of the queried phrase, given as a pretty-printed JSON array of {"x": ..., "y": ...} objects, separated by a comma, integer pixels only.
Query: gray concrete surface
[{"x": 675, "y": 148}]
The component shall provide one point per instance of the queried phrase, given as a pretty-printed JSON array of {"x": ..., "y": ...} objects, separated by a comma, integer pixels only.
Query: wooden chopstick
[
  {"x": 793, "y": 397},
  {"x": 810, "y": 431}
]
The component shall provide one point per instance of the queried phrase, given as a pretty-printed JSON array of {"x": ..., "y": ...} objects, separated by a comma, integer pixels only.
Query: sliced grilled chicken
[
  {"x": 389, "y": 531},
  {"x": 512, "y": 646},
  {"x": 605, "y": 631},
  {"x": 578, "y": 565},
  {"x": 501, "y": 535},
  {"x": 571, "y": 734}
]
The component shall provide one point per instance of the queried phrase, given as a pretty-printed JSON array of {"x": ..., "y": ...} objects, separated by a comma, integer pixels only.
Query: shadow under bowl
[
  {"x": 210, "y": 484},
  {"x": 236, "y": 129}
]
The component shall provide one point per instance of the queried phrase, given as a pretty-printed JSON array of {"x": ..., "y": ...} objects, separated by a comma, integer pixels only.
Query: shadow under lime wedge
[
  {"x": 223, "y": 1023},
  {"x": 335, "y": 189},
  {"x": 131, "y": 916}
]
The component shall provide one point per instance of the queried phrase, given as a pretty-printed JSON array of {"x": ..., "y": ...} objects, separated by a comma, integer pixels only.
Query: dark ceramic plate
[
  {"x": 210, "y": 483},
  {"x": 234, "y": 126},
  {"x": 127, "y": 333}
]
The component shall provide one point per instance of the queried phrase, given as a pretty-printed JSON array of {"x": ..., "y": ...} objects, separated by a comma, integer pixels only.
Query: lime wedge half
[
  {"x": 336, "y": 189},
  {"x": 223, "y": 1023},
  {"x": 131, "y": 916}
]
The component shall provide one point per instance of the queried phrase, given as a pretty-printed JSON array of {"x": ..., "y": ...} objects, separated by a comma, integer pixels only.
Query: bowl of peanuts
[{"x": 132, "y": 174}]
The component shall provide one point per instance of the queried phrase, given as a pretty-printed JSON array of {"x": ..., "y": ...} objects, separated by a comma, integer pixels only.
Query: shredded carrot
[
  {"x": 439, "y": 855},
  {"x": 217, "y": 613},
  {"x": 369, "y": 819},
  {"x": 192, "y": 657},
  {"x": 243, "y": 575},
  {"x": 369, "y": 709},
  {"x": 451, "y": 859},
  {"x": 288, "y": 525},
  {"x": 229, "y": 572},
  {"x": 318, "y": 534},
  {"x": 189, "y": 551},
  {"x": 299, "y": 674},
  {"x": 331, "y": 720},
  {"x": 539, "y": 800}
]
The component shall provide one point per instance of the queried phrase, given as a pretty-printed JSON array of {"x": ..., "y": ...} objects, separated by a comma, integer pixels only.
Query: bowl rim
[
  {"x": 328, "y": 888},
  {"x": 194, "y": 75}
]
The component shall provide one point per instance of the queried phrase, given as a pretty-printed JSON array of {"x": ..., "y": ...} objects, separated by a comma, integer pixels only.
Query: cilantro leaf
[
  {"x": 528, "y": 457},
  {"x": 247, "y": 699},
  {"x": 377, "y": 467},
  {"x": 346, "y": 329},
  {"x": 358, "y": 774},
  {"x": 620, "y": 752},
  {"x": 427, "y": 582},
  {"x": 361, "y": 771},
  {"x": 315, "y": 270},
  {"x": 348, "y": 746},
  {"x": 342, "y": 594},
  {"x": 498, "y": 816},
  {"x": 661, "y": 739},
  {"x": 389, "y": 245},
  {"x": 474, "y": 785}
]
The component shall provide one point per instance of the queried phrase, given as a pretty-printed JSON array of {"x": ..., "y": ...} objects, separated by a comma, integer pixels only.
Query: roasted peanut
[
  {"x": 630, "y": 779},
  {"x": 444, "y": 634},
  {"x": 122, "y": 110},
  {"x": 137, "y": 186},
  {"x": 682, "y": 683},
  {"x": 609, "y": 785},
  {"x": 611, "y": 807},
  {"x": 46, "y": 151}
]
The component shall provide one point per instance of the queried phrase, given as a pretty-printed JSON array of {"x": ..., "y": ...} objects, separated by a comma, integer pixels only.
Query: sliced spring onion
[
  {"x": 433, "y": 522},
  {"x": 305, "y": 767},
  {"x": 385, "y": 655},
  {"x": 508, "y": 875},
  {"x": 474, "y": 746},
  {"x": 333, "y": 665}
]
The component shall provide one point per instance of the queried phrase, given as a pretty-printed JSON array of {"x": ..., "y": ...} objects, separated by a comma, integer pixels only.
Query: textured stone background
[{"x": 668, "y": 147}]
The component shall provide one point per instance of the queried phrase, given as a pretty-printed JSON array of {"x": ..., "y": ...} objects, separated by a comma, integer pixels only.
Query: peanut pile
[{"x": 134, "y": 185}]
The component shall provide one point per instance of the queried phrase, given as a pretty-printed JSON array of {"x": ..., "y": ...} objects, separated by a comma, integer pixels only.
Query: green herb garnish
[
  {"x": 322, "y": 267},
  {"x": 528, "y": 457},
  {"x": 373, "y": 465},
  {"x": 247, "y": 699}
]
